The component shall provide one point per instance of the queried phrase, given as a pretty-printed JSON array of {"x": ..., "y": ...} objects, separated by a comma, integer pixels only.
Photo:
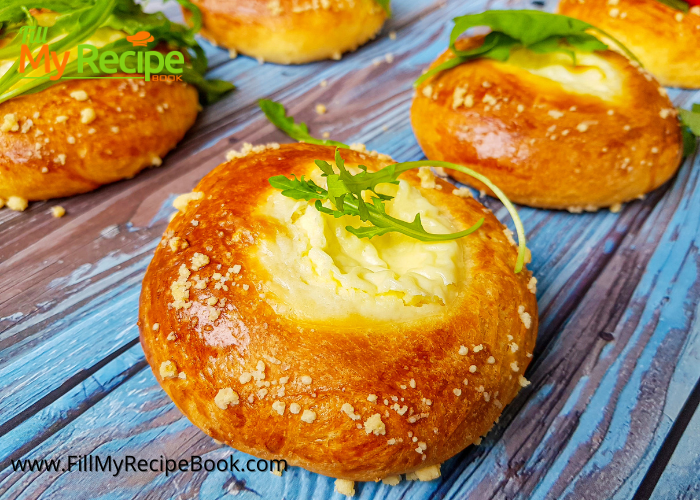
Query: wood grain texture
[
  {"x": 72, "y": 377},
  {"x": 680, "y": 479}
]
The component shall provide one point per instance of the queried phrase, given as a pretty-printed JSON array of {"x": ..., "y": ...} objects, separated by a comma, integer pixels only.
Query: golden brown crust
[
  {"x": 666, "y": 40},
  {"x": 543, "y": 145},
  {"x": 291, "y": 31},
  {"x": 346, "y": 361},
  {"x": 135, "y": 124}
]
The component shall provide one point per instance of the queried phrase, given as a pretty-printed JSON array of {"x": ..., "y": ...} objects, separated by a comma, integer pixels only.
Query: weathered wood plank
[
  {"x": 681, "y": 478},
  {"x": 47, "y": 421}
]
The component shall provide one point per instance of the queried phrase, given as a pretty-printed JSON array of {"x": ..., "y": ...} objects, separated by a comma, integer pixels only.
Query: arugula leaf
[
  {"x": 540, "y": 32},
  {"x": 690, "y": 122},
  {"x": 297, "y": 189},
  {"x": 346, "y": 193},
  {"x": 368, "y": 232},
  {"x": 14, "y": 11},
  {"x": 276, "y": 113},
  {"x": 676, "y": 4},
  {"x": 526, "y": 26},
  {"x": 385, "y": 4},
  {"x": 78, "y": 20}
]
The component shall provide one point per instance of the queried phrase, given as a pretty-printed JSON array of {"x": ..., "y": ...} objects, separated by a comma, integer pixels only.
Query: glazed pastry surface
[
  {"x": 291, "y": 31},
  {"x": 666, "y": 40},
  {"x": 75, "y": 136},
  {"x": 550, "y": 134},
  {"x": 342, "y": 392}
]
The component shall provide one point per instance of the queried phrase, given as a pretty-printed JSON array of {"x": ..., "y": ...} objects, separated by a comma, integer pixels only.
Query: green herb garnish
[
  {"x": 345, "y": 189},
  {"x": 276, "y": 113},
  {"x": 676, "y": 4},
  {"x": 385, "y": 4},
  {"x": 345, "y": 193},
  {"x": 690, "y": 123},
  {"x": 540, "y": 32},
  {"x": 78, "y": 20}
]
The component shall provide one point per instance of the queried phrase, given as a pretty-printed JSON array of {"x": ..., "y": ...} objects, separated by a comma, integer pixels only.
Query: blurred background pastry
[
  {"x": 549, "y": 133},
  {"x": 292, "y": 31},
  {"x": 666, "y": 39},
  {"x": 105, "y": 123}
]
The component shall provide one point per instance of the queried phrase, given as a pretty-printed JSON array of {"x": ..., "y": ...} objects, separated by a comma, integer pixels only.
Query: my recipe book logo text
[{"x": 90, "y": 58}]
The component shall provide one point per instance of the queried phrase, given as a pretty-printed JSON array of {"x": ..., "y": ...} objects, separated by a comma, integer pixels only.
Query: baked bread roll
[
  {"x": 666, "y": 40},
  {"x": 291, "y": 31},
  {"x": 276, "y": 331},
  {"x": 73, "y": 137},
  {"x": 548, "y": 133}
]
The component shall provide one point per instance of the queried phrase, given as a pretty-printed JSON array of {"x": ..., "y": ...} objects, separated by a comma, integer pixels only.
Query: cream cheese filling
[
  {"x": 591, "y": 75},
  {"x": 319, "y": 270}
]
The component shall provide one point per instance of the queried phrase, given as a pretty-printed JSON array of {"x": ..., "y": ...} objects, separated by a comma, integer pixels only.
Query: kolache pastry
[
  {"x": 548, "y": 132},
  {"x": 292, "y": 31},
  {"x": 665, "y": 39},
  {"x": 75, "y": 135},
  {"x": 280, "y": 333}
]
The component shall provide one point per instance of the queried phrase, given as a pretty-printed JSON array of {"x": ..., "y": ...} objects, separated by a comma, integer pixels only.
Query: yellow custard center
[
  {"x": 320, "y": 270},
  {"x": 591, "y": 75}
]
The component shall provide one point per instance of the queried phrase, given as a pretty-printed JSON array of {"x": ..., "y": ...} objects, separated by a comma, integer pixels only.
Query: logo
[
  {"x": 140, "y": 39},
  {"x": 95, "y": 61},
  {"x": 33, "y": 34}
]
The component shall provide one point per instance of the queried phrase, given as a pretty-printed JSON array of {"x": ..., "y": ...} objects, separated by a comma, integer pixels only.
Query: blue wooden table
[{"x": 612, "y": 409}]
